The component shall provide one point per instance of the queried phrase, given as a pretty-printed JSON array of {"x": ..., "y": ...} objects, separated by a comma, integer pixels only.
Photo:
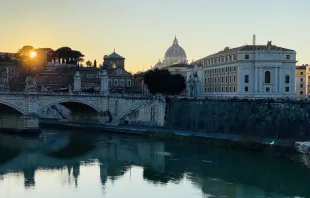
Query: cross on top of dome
[{"x": 175, "y": 40}]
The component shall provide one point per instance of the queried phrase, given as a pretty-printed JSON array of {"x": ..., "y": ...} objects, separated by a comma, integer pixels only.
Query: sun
[{"x": 32, "y": 54}]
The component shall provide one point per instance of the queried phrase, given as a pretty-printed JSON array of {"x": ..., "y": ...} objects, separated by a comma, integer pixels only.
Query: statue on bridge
[{"x": 31, "y": 84}]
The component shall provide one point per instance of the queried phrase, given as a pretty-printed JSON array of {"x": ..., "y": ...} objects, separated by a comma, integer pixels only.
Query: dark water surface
[{"x": 82, "y": 164}]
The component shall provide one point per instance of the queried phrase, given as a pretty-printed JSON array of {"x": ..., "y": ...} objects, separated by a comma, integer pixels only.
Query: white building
[{"x": 249, "y": 71}]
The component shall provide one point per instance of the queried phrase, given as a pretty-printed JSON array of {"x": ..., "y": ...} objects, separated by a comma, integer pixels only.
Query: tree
[
  {"x": 161, "y": 81},
  {"x": 50, "y": 53},
  {"x": 95, "y": 63},
  {"x": 24, "y": 52},
  {"x": 88, "y": 63}
]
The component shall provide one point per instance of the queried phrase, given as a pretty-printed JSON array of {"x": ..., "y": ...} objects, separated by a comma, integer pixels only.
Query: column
[
  {"x": 256, "y": 76},
  {"x": 261, "y": 80},
  {"x": 77, "y": 82},
  {"x": 292, "y": 81},
  {"x": 276, "y": 80},
  {"x": 104, "y": 83}
]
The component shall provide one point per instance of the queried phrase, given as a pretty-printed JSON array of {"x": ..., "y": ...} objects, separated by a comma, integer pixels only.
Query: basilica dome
[{"x": 175, "y": 54}]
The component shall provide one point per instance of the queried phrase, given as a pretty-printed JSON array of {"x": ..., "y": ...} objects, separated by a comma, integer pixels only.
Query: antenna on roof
[{"x": 254, "y": 39}]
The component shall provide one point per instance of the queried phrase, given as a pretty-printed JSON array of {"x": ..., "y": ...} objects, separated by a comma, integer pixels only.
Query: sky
[{"x": 142, "y": 30}]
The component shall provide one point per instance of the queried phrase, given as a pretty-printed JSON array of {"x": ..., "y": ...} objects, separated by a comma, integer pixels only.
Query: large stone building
[
  {"x": 175, "y": 54},
  {"x": 120, "y": 81},
  {"x": 301, "y": 86},
  {"x": 249, "y": 71}
]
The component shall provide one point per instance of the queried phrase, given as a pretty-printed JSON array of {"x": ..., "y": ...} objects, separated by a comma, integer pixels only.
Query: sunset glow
[{"x": 33, "y": 54}]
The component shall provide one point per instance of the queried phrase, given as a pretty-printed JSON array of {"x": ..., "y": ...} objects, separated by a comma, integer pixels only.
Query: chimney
[{"x": 254, "y": 39}]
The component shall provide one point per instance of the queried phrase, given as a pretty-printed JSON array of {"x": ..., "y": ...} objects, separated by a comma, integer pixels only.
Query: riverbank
[{"x": 219, "y": 139}]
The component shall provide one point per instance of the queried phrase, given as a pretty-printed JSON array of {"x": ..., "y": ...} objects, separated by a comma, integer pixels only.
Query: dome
[
  {"x": 158, "y": 65},
  {"x": 175, "y": 54}
]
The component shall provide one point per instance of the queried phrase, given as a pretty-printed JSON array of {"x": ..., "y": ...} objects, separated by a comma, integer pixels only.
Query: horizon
[{"x": 142, "y": 31}]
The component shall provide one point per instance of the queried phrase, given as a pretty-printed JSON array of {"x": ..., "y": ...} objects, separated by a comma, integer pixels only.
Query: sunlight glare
[{"x": 33, "y": 54}]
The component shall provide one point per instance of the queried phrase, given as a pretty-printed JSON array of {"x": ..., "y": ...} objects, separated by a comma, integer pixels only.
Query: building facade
[
  {"x": 249, "y": 71},
  {"x": 307, "y": 80},
  {"x": 301, "y": 84},
  {"x": 120, "y": 81}
]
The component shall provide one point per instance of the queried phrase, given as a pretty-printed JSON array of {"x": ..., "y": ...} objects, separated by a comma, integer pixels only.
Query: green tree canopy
[{"x": 161, "y": 81}]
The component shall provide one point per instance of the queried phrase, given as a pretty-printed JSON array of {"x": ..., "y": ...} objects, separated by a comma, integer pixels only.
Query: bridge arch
[
  {"x": 67, "y": 102},
  {"x": 13, "y": 107}
]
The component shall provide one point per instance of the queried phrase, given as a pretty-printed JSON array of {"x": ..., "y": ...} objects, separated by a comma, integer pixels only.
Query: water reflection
[{"x": 190, "y": 168}]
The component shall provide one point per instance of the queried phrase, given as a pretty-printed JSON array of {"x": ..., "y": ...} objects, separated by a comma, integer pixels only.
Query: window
[
  {"x": 235, "y": 68},
  {"x": 226, "y": 89},
  {"x": 234, "y": 78},
  {"x": 215, "y": 80},
  {"x": 222, "y": 69},
  {"x": 215, "y": 71},
  {"x": 222, "y": 89},
  {"x": 267, "y": 77},
  {"x": 110, "y": 82},
  {"x": 115, "y": 82},
  {"x": 246, "y": 78},
  {"x": 287, "y": 89},
  {"x": 122, "y": 82},
  {"x": 301, "y": 92},
  {"x": 222, "y": 79},
  {"x": 246, "y": 88},
  {"x": 230, "y": 78},
  {"x": 128, "y": 82},
  {"x": 234, "y": 89},
  {"x": 247, "y": 57},
  {"x": 226, "y": 79},
  {"x": 229, "y": 89},
  {"x": 267, "y": 89},
  {"x": 301, "y": 80},
  {"x": 301, "y": 73},
  {"x": 205, "y": 81},
  {"x": 287, "y": 79},
  {"x": 229, "y": 69},
  {"x": 287, "y": 57},
  {"x": 226, "y": 69},
  {"x": 301, "y": 86}
]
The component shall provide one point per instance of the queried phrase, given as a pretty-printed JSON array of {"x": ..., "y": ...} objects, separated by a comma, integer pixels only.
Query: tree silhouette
[
  {"x": 161, "y": 81},
  {"x": 88, "y": 63},
  {"x": 95, "y": 63},
  {"x": 24, "y": 52}
]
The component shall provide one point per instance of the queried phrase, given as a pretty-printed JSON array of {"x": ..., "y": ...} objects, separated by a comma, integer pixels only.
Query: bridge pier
[{"x": 30, "y": 124}]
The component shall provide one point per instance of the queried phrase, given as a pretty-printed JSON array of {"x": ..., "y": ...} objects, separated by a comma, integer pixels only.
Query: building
[
  {"x": 120, "y": 81},
  {"x": 249, "y": 71},
  {"x": 301, "y": 84},
  {"x": 307, "y": 80},
  {"x": 175, "y": 54}
]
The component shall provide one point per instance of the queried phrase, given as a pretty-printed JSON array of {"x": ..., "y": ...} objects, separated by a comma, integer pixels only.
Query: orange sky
[{"x": 142, "y": 31}]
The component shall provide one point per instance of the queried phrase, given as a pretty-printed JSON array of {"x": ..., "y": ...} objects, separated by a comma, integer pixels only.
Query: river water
[{"x": 82, "y": 164}]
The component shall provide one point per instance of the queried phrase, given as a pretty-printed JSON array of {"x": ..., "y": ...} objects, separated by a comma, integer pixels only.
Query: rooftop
[{"x": 114, "y": 55}]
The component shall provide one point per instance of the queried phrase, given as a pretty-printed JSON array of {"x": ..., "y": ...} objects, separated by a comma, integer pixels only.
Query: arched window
[
  {"x": 287, "y": 79},
  {"x": 267, "y": 77}
]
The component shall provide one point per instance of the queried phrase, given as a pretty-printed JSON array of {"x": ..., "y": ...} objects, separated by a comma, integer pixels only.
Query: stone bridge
[{"x": 99, "y": 108}]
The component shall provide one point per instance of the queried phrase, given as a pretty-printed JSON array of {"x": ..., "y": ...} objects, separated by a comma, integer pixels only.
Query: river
[{"x": 85, "y": 164}]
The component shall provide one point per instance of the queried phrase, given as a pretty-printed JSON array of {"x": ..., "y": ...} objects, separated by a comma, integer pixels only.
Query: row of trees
[
  {"x": 62, "y": 55},
  {"x": 162, "y": 81}
]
